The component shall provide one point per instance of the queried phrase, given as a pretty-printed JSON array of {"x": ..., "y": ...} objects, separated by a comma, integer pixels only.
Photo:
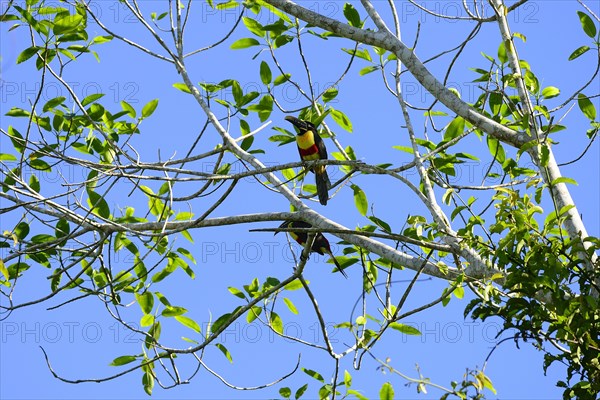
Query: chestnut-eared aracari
[
  {"x": 311, "y": 147},
  {"x": 320, "y": 244}
]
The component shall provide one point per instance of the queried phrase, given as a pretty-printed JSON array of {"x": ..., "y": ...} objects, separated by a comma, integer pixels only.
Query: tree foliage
[{"x": 514, "y": 245}]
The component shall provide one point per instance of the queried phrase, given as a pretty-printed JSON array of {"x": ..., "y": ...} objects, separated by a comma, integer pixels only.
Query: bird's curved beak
[
  {"x": 298, "y": 123},
  {"x": 283, "y": 225}
]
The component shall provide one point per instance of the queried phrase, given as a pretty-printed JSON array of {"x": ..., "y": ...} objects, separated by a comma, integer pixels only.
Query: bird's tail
[
  {"x": 337, "y": 265},
  {"x": 322, "y": 181}
]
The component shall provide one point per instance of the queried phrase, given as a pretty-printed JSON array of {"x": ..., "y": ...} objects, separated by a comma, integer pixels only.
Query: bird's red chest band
[{"x": 311, "y": 153}]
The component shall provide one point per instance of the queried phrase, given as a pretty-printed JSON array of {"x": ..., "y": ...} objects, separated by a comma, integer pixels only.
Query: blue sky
[{"x": 81, "y": 339}]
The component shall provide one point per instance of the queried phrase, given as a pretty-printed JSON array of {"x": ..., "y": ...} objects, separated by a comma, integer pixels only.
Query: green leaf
[
  {"x": 520, "y": 36},
  {"x": 237, "y": 92},
  {"x": 360, "y": 200},
  {"x": 586, "y": 106},
  {"x": 578, "y": 52},
  {"x": 253, "y": 313},
  {"x": 16, "y": 138},
  {"x": 282, "y": 140},
  {"x": 98, "y": 205},
  {"x": 184, "y": 216},
  {"x": 18, "y": 268},
  {"x": 147, "y": 320},
  {"x": 294, "y": 285},
  {"x": 587, "y": 24},
  {"x": 9, "y": 157},
  {"x": 161, "y": 16},
  {"x": 122, "y": 360},
  {"x": 102, "y": 39},
  {"x": 406, "y": 329},
  {"x": 386, "y": 392},
  {"x": 128, "y": 108},
  {"x": 162, "y": 298},
  {"x": 290, "y": 305},
  {"x": 82, "y": 148},
  {"x": 173, "y": 311},
  {"x": 66, "y": 23},
  {"x": 285, "y": 392},
  {"x": 47, "y": 10},
  {"x": 459, "y": 292},
  {"x": 236, "y": 292},
  {"x": 148, "y": 383},
  {"x": 502, "y": 52},
  {"x": 96, "y": 112},
  {"x": 405, "y": 149},
  {"x": 454, "y": 129},
  {"x": 265, "y": 73},
  {"x": 347, "y": 379},
  {"x": 146, "y": 301},
  {"x": 52, "y": 103},
  {"x": 21, "y": 230},
  {"x": 276, "y": 28},
  {"x": 496, "y": 149},
  {"x": 467, "y": 156},
  {"x": 247, "y": 98},
  {"x": 368, "y": 69},
  {"x": 313, "y": 374},
  {"x": 564, "y": 179},
  {"x": 301, "y": 391},
  {"x": 531, "y": 81},
  {"x": 352, "y": 15},
  {"x": 91, "y": 98},
  {"x": 364, "y": 54},
  {"x": 254, "y": 26},
  {"x": 188, "y": 322},
  {"x": 288, "y": 173},
  {"x": 219, "y": 322},
  {"x": 283, "y": 40},
  {"x": 487, "y": 383},
  {"x": 244, "y": 43},
  {"x": 62, "y": 228},
  {"x": 27, "y": 54},
  {"x": 227, "y": 4},
  {"x": 381, "y": 224},
  {"x": 379, "y": 50},
  {"x": 447, "y": 197},
  {"x": 34, "y": 183},
  {"x": 17, "y": 112},
  {"x": 281, "y": 79},
  {"x": 252, "y": 288},
  {"x": 224, "y": 351},
  {"x": 360, "y": 53},
  {"x": 325, "y": 391},
  {"x": 318, "y": 119},
  {"x": 357, "y": 394},
  {"x": 42, "y": 238},
  {"x": 149, "y": 108},
  {"x": 264, "y": 107},
  {"x": 183, "y": 87},
  {"x": 154, "y": 333},
  {"x": 550, "y": 92},
  {"x": 4, "y": 271},
  {"x": 276, "y": 323},
  {"x": 341, "y": 119},
  {"x": 330, "y": 94}
]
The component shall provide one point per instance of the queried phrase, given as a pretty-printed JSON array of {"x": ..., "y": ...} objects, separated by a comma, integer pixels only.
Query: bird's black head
[
  {"x": 294, "y": 224},
  {"x": 303, "y": 126}
]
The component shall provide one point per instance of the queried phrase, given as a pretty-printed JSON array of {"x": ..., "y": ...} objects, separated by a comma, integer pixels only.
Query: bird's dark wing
[{"x": 321, "y": 146}]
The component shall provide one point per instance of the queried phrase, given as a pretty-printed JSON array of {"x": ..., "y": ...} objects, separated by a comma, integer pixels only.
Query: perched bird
[
  {"x": 311, "y": 147},
  {"x": 320, "y": 244}
]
